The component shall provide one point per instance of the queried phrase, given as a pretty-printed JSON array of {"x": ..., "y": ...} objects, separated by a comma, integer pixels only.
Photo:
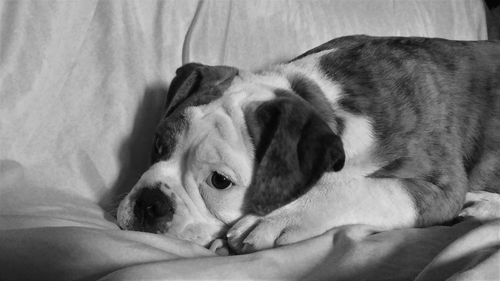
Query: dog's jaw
[
  {"x": 183, "y": 225},
  {"x": 190, "y": 221}
]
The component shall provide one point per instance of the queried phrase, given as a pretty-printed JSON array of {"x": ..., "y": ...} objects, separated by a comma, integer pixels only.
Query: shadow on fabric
[{"x": 135, "y": 151}]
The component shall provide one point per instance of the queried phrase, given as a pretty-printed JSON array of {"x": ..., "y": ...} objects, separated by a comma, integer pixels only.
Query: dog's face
[{"x": 229, "y": 144}]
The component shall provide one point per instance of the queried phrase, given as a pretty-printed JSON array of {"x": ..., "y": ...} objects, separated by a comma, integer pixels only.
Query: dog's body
[{"x": 390, "y": 132}]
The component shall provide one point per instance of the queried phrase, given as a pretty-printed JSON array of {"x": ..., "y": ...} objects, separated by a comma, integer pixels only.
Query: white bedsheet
[{"x": 82, "y": 84}]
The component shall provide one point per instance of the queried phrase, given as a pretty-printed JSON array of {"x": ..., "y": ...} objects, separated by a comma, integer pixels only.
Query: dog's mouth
[
  {"x": 150, "y": 210},
  {"x": 201, "y": 234}
]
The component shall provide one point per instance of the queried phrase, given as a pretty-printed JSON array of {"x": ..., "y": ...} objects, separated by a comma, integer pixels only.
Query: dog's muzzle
[
  {"x": 148, "y": 209},
  {"x": 153, "y": 209},
  {"x": 156, "y": 209}
]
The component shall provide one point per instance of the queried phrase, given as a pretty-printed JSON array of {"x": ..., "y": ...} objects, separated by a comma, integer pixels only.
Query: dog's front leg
[{"x": 334, "y": 201}]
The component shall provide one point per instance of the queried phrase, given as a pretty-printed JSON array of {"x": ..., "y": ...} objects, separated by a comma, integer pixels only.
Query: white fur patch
[
  {"x": 379, "y": 202},
  {"x": 341, "y": 198},
  {"x": 358, "y": 138}
]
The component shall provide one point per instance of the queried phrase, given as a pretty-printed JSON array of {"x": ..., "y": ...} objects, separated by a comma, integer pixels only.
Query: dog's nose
[{"x": 151, "y": 204}]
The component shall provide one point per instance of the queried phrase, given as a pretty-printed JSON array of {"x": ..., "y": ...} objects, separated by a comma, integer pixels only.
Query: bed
[{"x": 82, "y": 84}]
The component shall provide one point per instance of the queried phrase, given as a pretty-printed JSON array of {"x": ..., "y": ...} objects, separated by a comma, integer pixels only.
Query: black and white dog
[{"x": 391, "y": 132}]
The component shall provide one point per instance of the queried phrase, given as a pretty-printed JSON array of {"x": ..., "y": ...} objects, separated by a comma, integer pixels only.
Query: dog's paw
[
  {"x": 253, "y": 233},
  {"x": 481, "y": 205},
  {"x": 219, "y": 247}
]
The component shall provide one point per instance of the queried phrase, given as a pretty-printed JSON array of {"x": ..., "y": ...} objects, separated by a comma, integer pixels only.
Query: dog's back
[{"x": 428, "y": 98}]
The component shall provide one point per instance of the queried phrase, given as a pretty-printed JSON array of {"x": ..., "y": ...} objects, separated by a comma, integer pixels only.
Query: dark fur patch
[
  {"x": 195, "y": 84},
  {"x": 311, "y": 92},
  {"x": 435, "y": 109},
  {"x": 293, "y": 147}
]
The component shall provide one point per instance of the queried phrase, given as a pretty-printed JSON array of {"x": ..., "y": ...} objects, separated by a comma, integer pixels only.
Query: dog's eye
[{"x": 219, "y": 181}]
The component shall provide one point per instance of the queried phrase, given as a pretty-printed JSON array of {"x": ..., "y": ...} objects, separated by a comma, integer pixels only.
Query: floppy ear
[
  {"x": 195, "y": 78},
  {"x": 194, "y": 84},
  {"x": 294, "y": 146}
]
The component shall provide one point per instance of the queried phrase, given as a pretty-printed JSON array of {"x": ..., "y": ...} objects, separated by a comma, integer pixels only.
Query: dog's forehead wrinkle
[
  {"x": 218, "y": 153},
  {"x": 206, "y": 155},
  {"x": 224, "y": 116},
  {"x": 223, "y": 130}
]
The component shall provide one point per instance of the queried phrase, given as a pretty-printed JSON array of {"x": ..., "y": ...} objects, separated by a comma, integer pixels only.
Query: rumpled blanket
[{"x": 82, "y": 84}]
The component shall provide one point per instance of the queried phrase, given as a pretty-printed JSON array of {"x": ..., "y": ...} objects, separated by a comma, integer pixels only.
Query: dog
[{"x": 386, "y": 131}]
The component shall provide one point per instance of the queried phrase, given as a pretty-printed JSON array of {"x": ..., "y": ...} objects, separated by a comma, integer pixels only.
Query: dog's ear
[
  {"x": 197, "y": 78},
  {"x": 194, "y": 84},
  {"x": 294, "y": 146}
]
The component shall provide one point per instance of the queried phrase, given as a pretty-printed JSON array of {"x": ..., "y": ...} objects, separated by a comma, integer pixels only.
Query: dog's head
[{"x": 229, "y": 144}]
